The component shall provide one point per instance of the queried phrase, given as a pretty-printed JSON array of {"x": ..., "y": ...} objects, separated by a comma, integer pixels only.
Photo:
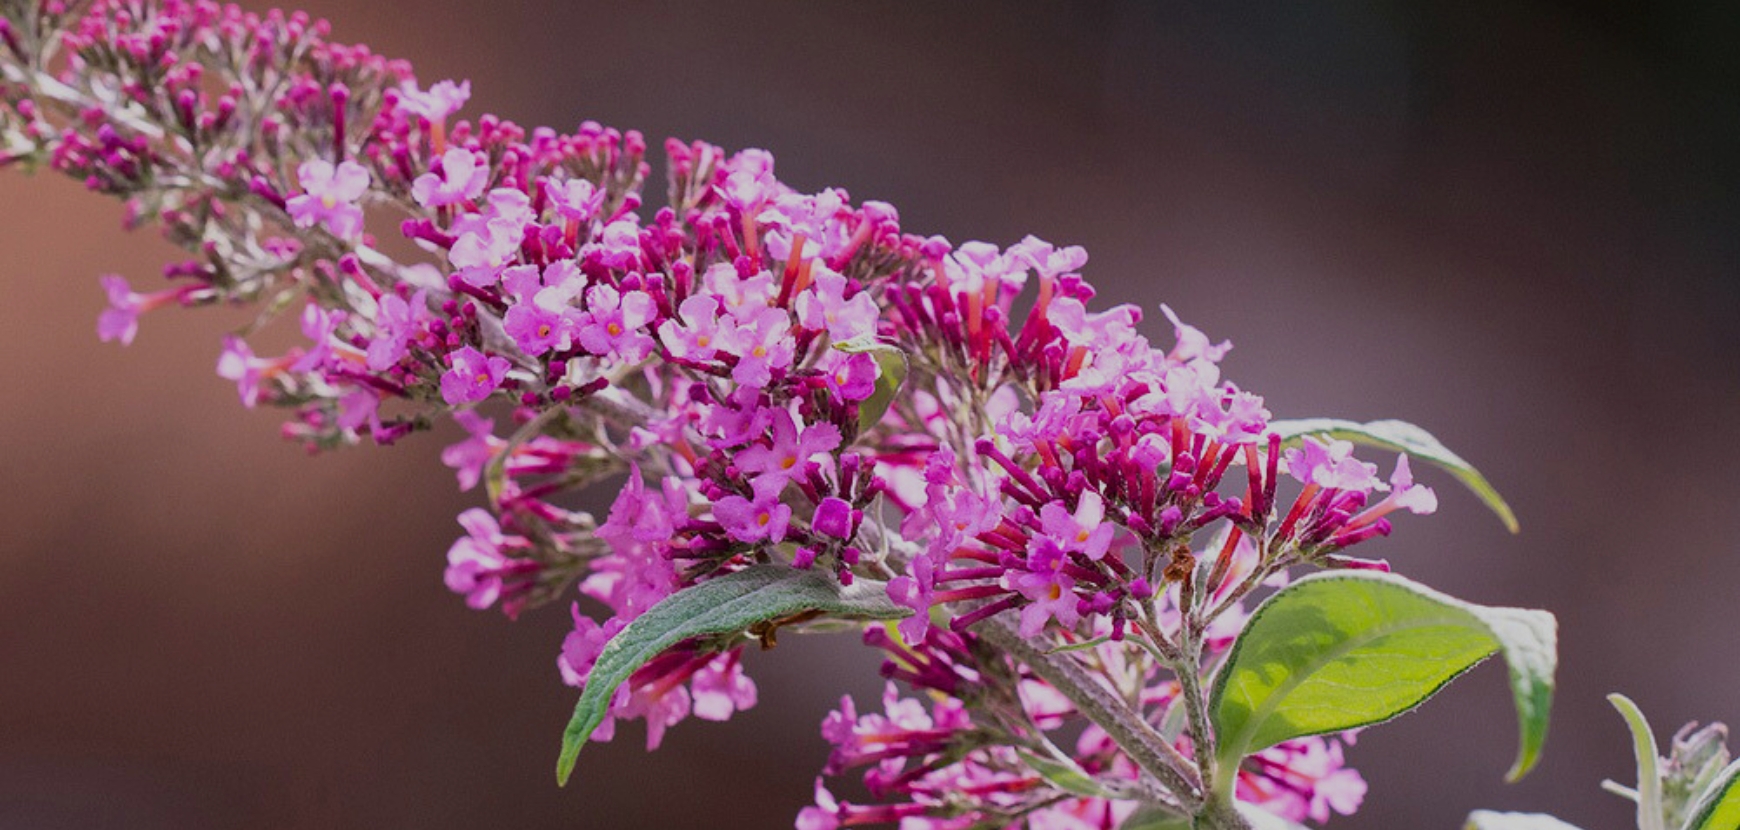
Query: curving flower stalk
[{"x": 1068, "y": 521}]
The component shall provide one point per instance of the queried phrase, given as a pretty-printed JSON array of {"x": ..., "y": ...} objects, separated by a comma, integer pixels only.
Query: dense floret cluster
[{"x": 768, "y": 377}]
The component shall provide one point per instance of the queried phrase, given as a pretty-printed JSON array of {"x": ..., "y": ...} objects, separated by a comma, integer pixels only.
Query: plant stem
[
  {"x": 1219, "y": 814},
  {"x": 1195, "y": 707},
  {"x": 1132, "y": 733}
]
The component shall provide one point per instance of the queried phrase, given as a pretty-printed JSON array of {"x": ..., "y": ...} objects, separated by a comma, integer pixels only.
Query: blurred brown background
[{"x": 1513, "y": 223}]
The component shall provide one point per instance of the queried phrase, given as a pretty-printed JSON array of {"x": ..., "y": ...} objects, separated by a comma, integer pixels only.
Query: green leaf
[
  {"x": 1339, "y": 650},
  {"x": 1084, "y": 645},
  {"x": 1649, "y": 814},
  {"x": 1719, "y": 807},
  {"x": 1401, "y": 436},
  {"x": 1488, "y": 820},
  {"x": 1155, "y": 818},
  {"x": 727, "y": 605},
  {"x": 892, "y": 366},
  {"x": 1160, "y": 818},
  {"x": 495, "y": 471},
  {"x": 1064, "y": 773}
]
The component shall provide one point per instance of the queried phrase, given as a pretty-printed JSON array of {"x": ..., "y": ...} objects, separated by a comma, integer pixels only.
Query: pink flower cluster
[{"x": 782, "y": 377}]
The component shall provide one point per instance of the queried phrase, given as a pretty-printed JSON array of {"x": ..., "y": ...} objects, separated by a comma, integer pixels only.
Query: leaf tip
[
  {"x": 1521, "y": 767},
  {"x": 565, "y": 764}
]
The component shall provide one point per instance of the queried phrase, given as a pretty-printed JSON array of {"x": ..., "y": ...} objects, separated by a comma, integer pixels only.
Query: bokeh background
[{"x": 1515, "y": 223}]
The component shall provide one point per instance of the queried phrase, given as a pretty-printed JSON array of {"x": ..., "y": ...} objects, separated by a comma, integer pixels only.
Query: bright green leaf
[
  {"x": 892, "y": 367},
  {"x": 1339, "y": 650},
  {"x": 1719, "y": 807},
  {"x": 1401, "y": 436},
  {"x": 726, "y": 605},
  {"x": 1649, "y": 814},
  {"x": 1488, "y": 820}
]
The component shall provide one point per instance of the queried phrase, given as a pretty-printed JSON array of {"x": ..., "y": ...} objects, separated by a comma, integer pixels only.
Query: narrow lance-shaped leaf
[
  {"x": 1401, "y": 436},
  {"x": 725, "y": 605},
  {"x": 1719, "y": 807},
  {"x": 1488, "y": 820},
  {"x": 891, "y": 368},
  {"x": 1063, "y": 772},
  {"x": 1648, "y": 796},
  {"x": 495, "y": 472},
  {"x": 1335, "y": 651}
]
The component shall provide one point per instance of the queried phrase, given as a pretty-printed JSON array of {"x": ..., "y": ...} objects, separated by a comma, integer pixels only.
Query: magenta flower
[
  {"x": 752, "y": 521},
  {"x": 468, "y": 457},
  {"x": 849, "y": 377},
  {"x": 737, "y": 420},
  {"x": 762, "y": 345},
  {"x": 640, "y": 516},
  {"x": 789, "y": 450},
  {"x": 741, "y": 296},
  {"x": 238, "y": 363},
  {"x": 473, "y": 376},
  {"x": 477, "y": 566},
  {"x": 1330, "y": 465},
  {"x": 120, "y": 321},
  {"x": 1192, "y": 343},
  {"x": 975, "y": 264},
  {"x": 329, "y": 197},
  {"x": 360, "y": 406},
  {"x": 693, "y": 339},
  {"x": 461, "y": 179},
  {"x": 1404, "y": 495},
  {"x": 663, "y": 706},
  {"x": 440, "y": 101},
  {"x": 825, "y": 307},
  {"x": 813, "y": 218},
  {"x": 397, "y": 322},
  {"x": 320, "y": 327},
  {"x": 722, "y": 688},
  {"x": 1100, "y": 330},
  {"x": 1085, "y": 532},
  {"x": 1242, "y": 421},
  {"x": 1049, "y": 260},
  {"x": 824, "y": 815},
  {"x": 580, "y": 649},
  {"x": 536, "y": 329},
  {"x": 833, "y": 518},
  {"x": 1302, "y": 779},
  {"x": 619, "y": 245},
  {"x": 576, "y": 200},
  {"x": 1051, "y": 591},
  {"x": 484, "y": 248},
  {"x": 614, "y": 321},
  {"x": 915, "y": 589},
  {"x": 750, "y": 182}
]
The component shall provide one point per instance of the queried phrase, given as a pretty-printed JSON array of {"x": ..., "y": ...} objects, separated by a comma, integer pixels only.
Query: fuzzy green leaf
[
  {"x": 1346, "y": 649},
  {"x": 727, "y": 605},
  {"x": 1063, "y": 773},
  {"x": 1155, "y": 818},
  {"x": 1401, "y": 436},
  {"x": 1649, "y": 814}
]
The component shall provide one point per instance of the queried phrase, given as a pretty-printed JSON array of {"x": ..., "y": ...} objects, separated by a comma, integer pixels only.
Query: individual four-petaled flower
[{"x": 329, "y": 197}]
